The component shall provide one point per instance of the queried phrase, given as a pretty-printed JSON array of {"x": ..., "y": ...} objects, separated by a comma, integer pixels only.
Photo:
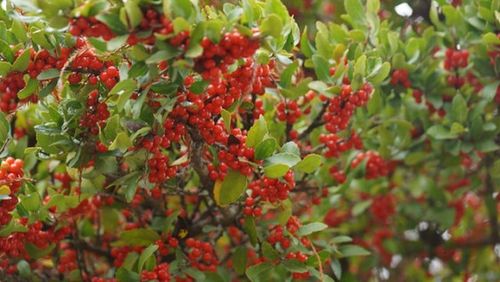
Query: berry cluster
[
  {"x": 272, "y": 190},
  {"x": 383, "y": 207},
  {"x": 277, "y": 234},
  {"x": 90, "y": 27},
  {"x": 163, "y": 248},
  {"x": 154, "y": 21},
  {"x": 43, "y": 60},
  {"x": 11, "y": 172},
  {"x": 378, "y": 242},
  {"x": 288, "y": 111},
  {"x": 455, "y": 60},
  {"x": 401, "y": 76},
  {"x": 9, "y": 86},
  {"x": 201, "y": 255},
  {"x": 376, "y": 166},
  {"x": 68, "y": 261},
  {"x": 96, "y": 115},
  {"x": 160, "y": 273},
  {"x": 336, "y": 145},
  {"x": 232, "y": 157},
  {"x": 87, "y": 62},
  {"x": 335, "y": 217}
]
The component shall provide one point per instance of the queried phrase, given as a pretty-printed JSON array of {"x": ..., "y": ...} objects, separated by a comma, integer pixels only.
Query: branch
[{"x": 317, "y": 122}]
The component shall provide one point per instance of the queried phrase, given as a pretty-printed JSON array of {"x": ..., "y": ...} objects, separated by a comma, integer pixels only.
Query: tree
[{"x": 178, "y": 141}]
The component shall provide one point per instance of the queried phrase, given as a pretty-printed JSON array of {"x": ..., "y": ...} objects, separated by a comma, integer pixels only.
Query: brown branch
[{"x": 317, "y": 122}]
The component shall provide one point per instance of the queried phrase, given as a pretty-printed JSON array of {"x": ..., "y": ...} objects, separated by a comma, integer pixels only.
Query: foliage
[{"x": 169, "y": 140}]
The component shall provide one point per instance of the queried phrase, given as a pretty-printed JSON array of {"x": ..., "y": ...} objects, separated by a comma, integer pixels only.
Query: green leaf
[
  {"x": 321, "y": 67},
  {"x": 291, "y": 148},
  {"x": 489, "y": 91},
  {"x": 459, "y": 109},
  {"x": 276, "y": 170},
  {"x": 126, "y": 275},
  {"x": 29, "y": 89},
  {"x": 305, "y": 45},
  {"x": 439, "y": 132},
  {"x": 24, "y": 269},
  {"x": 256, "y": 132},
  {"x": 239, "y": 259},
  {"x": 231, "y": 188},
  {"x": 19, "y": 30},
  {"x": 122, "y": 142},
  {"x": 286, "y": 75},
  {"x": 31, "y": 202},
  {"x": 4, "y": 68},
  {"x": 145, "y": 255},
  {"x": 162, "y": 55},
  {"x": 310, "y": 228},
  {"x": 353, "y": 251},
  {"x": 113, "y": 22},
  {"x": 265, "y": 148},
  {"x": 360, "y": 207},
  {"x": 250, "y": 229},
  {"x": 288, "y": 159},
  {"x": 379, "y": 74},
  {"x": 269, "y": 252},
  {"x": 48, "y": 74},
  {"x": 294, "y": 265},
  {"x": 309, "y": 164},
  {"x": 133, "y": 12},
  {"x": 22, "y": 62},
  {"x": 341, "y": 239},
  {"x": 199, "y": 86},
  {"x": 271, "y": 25},
  {"x": 254, "y": 271},
  {"x": 355, "y": 10},
  {"x": 137, "y": 237},
  {"x": 4, "y": 129}
]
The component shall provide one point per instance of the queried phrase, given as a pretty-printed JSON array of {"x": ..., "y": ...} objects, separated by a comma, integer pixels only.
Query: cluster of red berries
[
  {"x": 341, "y": 108},
  {"x": 401, "y": 76},
  {"x": 9, "y": 87},
  {"x": 154, "y": 21},
  {"x": 120, "y": 253},
  {"x": 163, "y": 248},
  {"x": 335, "y": 217},
  {"x": 90, "y": 27},
  {"x": 96, "y": 115},
  {"x": 336, "y": 145},
  {"x": 14, "y": 244},
  {"x": 383, "y": 207},
  {"x": 263, "y": 78},
  {"x": 43, "y": 60},
  {"x": 160, "y": 273},
  {"x": 159, "y": 170},
  {"x": 272, "y": 190},
  {"x": 417, "y": 95},
  {"x": 288, "y": 111},
  {"x": 87, "y": 62},
  {"x": 376, "y": 166},
  {"x": 201, "y": 255},
  {"x": 277, "y": 234},
  {"x": 455, "y": 60},
  {"x": 11, "y": 172},
  {"x": 64, "y": 178},
  {"x": 233, "y": 157},
  {"x": 378, "y": 242},
  {"x": 302, "y": 258},
  {"x": 68, "y": 261}
]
